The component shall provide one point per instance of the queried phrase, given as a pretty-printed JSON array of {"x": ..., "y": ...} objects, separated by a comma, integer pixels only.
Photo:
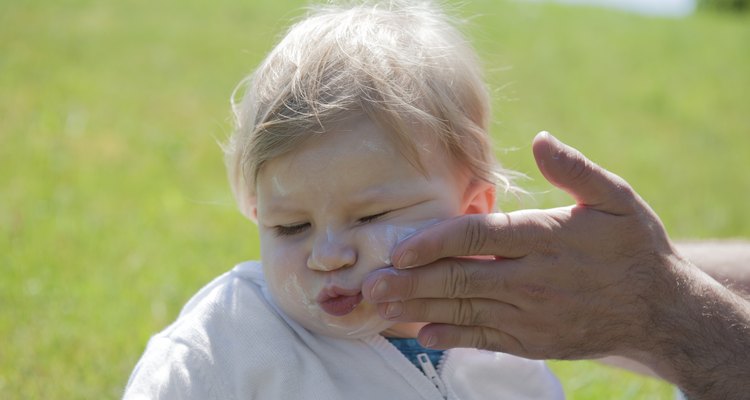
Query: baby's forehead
[
  {"x": 358, "y": 140},
  {"x": 415, "y": 143}
]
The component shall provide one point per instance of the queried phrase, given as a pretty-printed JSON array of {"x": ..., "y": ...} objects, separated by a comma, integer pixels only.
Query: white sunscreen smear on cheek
[
  {"x": 381, "y": 242},
  {"x": 293, "y": 290}
]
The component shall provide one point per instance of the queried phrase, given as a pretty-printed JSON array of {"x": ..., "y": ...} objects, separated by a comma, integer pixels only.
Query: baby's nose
[{"x": 330, "y": 253}]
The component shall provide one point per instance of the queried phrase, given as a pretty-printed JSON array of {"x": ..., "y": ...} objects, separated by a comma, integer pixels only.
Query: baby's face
[{"x": 331, "y": 211}]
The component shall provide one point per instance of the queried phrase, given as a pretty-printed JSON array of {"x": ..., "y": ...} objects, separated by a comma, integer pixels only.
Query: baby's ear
[
  {"x": 250, "y": 209},
  {"x": 479, "y": 197}
]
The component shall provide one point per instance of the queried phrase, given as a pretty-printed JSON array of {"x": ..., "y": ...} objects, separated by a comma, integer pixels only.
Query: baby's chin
[{"x": 360, "y": 330}]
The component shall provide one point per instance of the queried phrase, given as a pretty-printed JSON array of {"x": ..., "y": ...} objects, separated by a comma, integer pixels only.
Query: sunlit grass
[{"x": 114, "y": 206}]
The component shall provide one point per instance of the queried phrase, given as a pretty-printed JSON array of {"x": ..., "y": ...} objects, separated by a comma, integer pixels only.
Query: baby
[{"x": 364, "y": 124}]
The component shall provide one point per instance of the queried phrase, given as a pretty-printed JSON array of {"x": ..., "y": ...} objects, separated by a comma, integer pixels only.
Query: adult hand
[{"x": 597, "y": 278}]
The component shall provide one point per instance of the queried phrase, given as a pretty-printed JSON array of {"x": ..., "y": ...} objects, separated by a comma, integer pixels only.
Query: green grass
[{"x": 114, "y": 206}]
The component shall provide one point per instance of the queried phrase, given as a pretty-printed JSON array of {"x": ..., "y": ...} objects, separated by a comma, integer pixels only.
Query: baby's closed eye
[
  {"x": 372, "y": 217},
  {"x": 289, "y": 230}
]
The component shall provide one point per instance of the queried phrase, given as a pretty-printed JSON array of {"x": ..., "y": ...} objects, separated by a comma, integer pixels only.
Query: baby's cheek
[
  {"x": 280, "y": 263},
  {"x": 291, "y": 293},
  {"x": 378, "y": 240},
  {"x": 293, "y": 290},
  {"x": 284, "y": 274}
]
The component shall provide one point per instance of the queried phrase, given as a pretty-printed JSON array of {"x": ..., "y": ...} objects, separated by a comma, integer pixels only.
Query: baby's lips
[{"x": 339, "y": 301}]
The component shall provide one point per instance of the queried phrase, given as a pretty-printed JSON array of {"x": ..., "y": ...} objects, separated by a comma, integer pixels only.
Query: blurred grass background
[{"x": 114, "y": 207}]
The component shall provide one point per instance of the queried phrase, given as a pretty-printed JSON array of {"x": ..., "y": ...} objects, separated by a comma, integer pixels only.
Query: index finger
[
  {"x": 505, "y": 235},
  {"x": 449, "y": 278}
]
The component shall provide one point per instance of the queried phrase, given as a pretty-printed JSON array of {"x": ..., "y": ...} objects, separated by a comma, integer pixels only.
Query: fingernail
[
  {"x": 407, "y": 259},
  {"x": 393, "y": 310},
  {"x": 379, "y": 290}
]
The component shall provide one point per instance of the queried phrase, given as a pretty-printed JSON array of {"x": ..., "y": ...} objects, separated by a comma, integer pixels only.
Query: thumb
[{"x": 589, "y": 184}]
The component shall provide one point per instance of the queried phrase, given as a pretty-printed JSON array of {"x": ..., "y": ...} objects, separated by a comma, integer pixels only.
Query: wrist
[
  {"x": 700, "y": 334},
  {"x": 668, "y": 302}
]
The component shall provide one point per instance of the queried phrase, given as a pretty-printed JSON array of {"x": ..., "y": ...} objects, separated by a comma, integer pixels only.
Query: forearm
[
  {"x": 701, "y": 337},
  {"x": 727, "y": 261}
]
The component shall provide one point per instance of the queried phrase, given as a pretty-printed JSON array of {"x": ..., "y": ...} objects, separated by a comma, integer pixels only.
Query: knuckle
[
  {"x": 621, "y": 187},
  {"x": 457, "y": 281},
  {"x": 507, "y": 233},
  {"x": 479, "y": 339},
  {"x": 475, "y": 236},
  {"x": 521, "y": 231},
  {"x": 410, "y": 283},
  {"x": 465, "y": 313},
  {"x": 579, "y": 169}
]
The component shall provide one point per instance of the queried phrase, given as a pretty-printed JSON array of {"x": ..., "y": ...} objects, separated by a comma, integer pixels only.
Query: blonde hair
[{"x": 403, "y": 64}]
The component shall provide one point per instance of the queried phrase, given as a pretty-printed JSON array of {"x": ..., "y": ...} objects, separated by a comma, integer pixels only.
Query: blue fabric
[{"x": 410, "y": 348}]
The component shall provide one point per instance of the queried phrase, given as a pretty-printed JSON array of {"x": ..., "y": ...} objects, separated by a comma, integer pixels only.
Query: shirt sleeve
[{"x": 173, "y": 370}]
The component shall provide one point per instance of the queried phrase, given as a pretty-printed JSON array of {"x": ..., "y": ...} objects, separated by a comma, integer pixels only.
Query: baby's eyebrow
[
  {"x": 280, "y": 206},
  {"x": 368, "y": 197},
  {"x": 378, "y": 194}
]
